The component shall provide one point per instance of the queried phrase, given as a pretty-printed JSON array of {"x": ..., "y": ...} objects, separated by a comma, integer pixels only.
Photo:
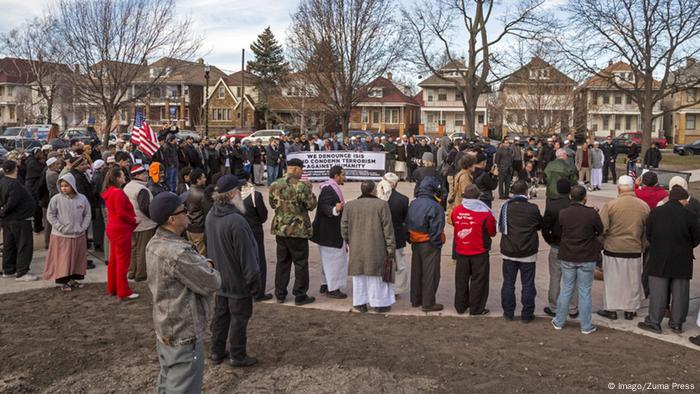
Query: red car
[
  {"x": 238, "y": 133},
  {"x": 636, "y": 137}
]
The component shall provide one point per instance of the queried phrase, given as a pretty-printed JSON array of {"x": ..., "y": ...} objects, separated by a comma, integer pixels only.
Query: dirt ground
[{"x": 85, "y": 341}]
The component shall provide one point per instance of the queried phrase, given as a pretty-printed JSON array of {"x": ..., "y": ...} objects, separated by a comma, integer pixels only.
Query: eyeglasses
[{"x": 183, "y": 210}]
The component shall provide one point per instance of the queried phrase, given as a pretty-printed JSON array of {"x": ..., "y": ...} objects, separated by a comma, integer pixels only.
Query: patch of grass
[{"x": 672, "y": 161}]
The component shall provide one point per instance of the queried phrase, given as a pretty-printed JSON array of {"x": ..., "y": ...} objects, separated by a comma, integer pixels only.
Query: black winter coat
[
  {"x": 652, "y": 157},
  {"x": 326, "y": 226},
  {"x": 82, "y": 183},
  {"x": 524, "y": 221},
  {"x": 551, "y": 230},
  {"x": 673, "y": 232},
  {"x": 398, "y": 205},
  {"x": 15, "y": 201},
  {"x": 580, "y": 228},
  {"x": 232, "y": 247}
]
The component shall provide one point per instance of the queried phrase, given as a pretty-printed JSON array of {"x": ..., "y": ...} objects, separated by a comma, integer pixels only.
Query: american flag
[{"x": 142, "y": 135}]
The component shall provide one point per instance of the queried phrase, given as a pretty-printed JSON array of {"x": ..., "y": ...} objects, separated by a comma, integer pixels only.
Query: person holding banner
[{"x": 326, "y": 233}]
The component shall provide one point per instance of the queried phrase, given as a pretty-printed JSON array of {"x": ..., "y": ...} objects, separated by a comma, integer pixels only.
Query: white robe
[
  {"x": 596, "y": 177},
  {"x": 372, "y": 290},
  {"x": 623, "y": 283},
  {"x": 334, "y": 267}
]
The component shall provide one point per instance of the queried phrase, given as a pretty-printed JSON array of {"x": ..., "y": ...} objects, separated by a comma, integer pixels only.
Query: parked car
[
  {"x": 81, "y": 134},
  {"x": 238, "y": 133},
  {"x": 458, "y": 136},
  {"x": 184, "y": 134},
  {"x": 620, "y": 143},
  {"x": 264, "y": 136},
  {"x": 30, "y": 136},
  {"x": 687, "y": 149}
]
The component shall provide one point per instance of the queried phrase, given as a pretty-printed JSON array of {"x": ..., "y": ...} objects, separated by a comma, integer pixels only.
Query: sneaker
[
  {"x": 132, "y": 297},
  {"x": 549, "y": 311},
  {"x": 556, "y": 327},
  {"x": 590, "y": 330},
  {"x": 27, "y": 278}
]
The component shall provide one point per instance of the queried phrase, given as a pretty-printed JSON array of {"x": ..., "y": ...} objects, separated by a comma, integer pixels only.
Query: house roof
[
  {"x": 522, "y": 75},
  {"x": 234, "y": 79},
  {"x": 390, "y": 93},
  {"x": 14, "y": 70},
  {"x": 419, "y": 98},
  {"x": 601, "y": 80},
  {"x": 688, "y": 74},
  {"x": 185, "y": 72}
]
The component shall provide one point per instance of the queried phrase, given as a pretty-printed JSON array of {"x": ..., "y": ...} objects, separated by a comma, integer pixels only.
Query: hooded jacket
[
  {"x": 651, "y": 195},
  {"x": 69, "y": 216},
  {"x": 474, "y": 226},
  {"x": 232, "y": 247},
  {"x": 121, "y": 215},
  {"x": 15, "y": 201},
  {"x": 426, "y": 218}
]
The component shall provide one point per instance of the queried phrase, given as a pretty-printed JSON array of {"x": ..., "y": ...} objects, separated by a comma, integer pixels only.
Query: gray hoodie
[{"x": 69, "y": 216}]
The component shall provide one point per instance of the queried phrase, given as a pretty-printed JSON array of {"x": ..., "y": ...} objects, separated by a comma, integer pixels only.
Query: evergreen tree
[{"x": 269, "y": 66}]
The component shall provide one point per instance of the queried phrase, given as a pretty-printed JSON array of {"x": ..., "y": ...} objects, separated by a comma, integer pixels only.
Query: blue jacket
[{"x": 426, "y": 218}]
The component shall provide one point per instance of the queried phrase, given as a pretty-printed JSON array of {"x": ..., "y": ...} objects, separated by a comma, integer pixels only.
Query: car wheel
[{"x": 690, "y": 152}]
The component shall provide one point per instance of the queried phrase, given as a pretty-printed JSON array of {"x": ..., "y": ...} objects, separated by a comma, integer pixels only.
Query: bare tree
[
  {"x": 37, "y": 42},
  {"x": 113, "y": 41},
  {"x": 342, "y": 45},
  {"x": 443, "y": 29},
  {"x": 655, "y": 37}
]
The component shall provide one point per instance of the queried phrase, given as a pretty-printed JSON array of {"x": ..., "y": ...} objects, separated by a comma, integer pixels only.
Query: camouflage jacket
[{"x": 292, "y": 200}]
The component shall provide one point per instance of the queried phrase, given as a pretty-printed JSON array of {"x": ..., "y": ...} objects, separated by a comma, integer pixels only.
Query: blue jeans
[
  {"x": 171, "y": 178},
  {"x": 272, "y": 172},
  {"x": 581, "y": 276},
  {"x": 527, "y": 280}
]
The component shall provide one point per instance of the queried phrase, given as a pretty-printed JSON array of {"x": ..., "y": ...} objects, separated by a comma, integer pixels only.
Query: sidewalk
[{"x": 446, "y": 290}]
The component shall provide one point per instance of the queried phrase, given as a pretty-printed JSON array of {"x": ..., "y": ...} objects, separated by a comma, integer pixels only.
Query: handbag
[{"x": 389, "y": 269}]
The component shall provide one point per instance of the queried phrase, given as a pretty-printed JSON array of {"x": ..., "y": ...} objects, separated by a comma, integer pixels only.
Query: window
[
  {"x": 376, "y": 92},
  {"x": 481, "y": 119},
  {"x": 594, "y": 98},
  {"x": 606, "y": 122},
  {"x": 11, "y": 110},
  {"x": 2, "y": 91},
  {"x": 391, "y": 116},
  {"x": 375, "y": 117},
  {"x": 221, "y": 114},
  {"x": 365, "y": 116},
  {"x": 430, "y": 98},
  {"x": 459, "y": 119},
  {"x": 442, "y": 95},
  {"x": 629, "y": 99},
  {"x": 617, "y": 122},
  {"x": 539, "y": 74},
  {"x": 628, "y": 122},
  {"x": 123, "y": 115},
  {"x": 618, "y": 99},
  {"x": 431, "y": 118},
  {"x": 458, "y": 96},
  {"x": 606, "y": 99},
  {"x": 689, "y": 122},
  {"x": 594, "y": 127},
  {"x": 691, "y": 95},
  {"x": 222, "y": 92},
  {"x": 171, "y": 91},
  {"x": 238, "y": 91}
]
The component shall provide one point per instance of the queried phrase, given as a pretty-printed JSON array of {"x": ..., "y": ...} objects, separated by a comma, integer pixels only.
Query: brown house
[
  {"x": 226, "y": 97},
  {"x": 383, "y": 107}
]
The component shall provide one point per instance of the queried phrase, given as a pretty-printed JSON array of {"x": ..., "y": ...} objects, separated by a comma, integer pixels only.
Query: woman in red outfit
[{"x": 121, "y": 222}]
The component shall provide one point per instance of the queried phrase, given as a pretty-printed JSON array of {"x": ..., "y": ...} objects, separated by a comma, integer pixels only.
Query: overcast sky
[{"x": 227, "y": 25}]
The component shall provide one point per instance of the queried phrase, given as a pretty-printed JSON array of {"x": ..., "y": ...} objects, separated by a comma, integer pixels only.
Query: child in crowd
[{"x": 69, "y": 216}]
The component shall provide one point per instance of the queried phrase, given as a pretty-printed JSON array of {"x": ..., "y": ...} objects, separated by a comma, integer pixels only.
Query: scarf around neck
[
  {"x": 333, "y": 184},
  {"x": 503, "y": 216}
]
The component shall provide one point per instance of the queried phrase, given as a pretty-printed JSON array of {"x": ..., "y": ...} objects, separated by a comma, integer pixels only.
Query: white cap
[
  {"x": 353, "y": 138},
  {"x": 233, "y": 139},
  {"x": 517, "y": 138},
  {"x": 97, "y": 164},
  {"x": 549, "y": 139},
  {"x": 51, "y": 160},
  {"x": 46, "y": 147},
  {"x": 625, "y": 180},
  {"x": 566, "y": 142}
]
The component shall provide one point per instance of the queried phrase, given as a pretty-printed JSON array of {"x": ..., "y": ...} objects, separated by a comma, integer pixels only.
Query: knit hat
[
  {"x": 650, "y": 178},
  {"x": 677, "y": 194},
  {"x": 427, "y": 156},
  {"x": 678, "y": 181},
  {"x": 154, "y": 172},
  {"x": 137, "y": 169},
  {"x": 625, "y": 180},
  {"x": 563, "y": 186},
  {"x": 95, "y": 166}
]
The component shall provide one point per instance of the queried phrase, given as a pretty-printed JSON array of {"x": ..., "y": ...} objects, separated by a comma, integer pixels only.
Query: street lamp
[{"x": 206, "y": 106}]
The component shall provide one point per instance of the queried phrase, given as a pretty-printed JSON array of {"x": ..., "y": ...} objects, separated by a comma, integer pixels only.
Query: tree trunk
[
  {"x": 49, "y": 110},
  {"x": 267, "y": 118},
  {"x": 109, "y": 116},
  {"x": 647, "y": 127},
  {"x": 345, "y": 123},
  {"x": 470, "y": 114}
]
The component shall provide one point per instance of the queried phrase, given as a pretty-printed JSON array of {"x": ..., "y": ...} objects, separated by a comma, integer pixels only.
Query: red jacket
[
  {"x": 121, "y": 215},
  {"x": 651, "y": 194},
  {"x": 472, "y": 231}
]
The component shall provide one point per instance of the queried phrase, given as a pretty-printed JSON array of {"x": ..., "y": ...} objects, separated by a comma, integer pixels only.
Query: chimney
[
  {"x": 389, "y": 75},
  {"x": 76, "y": 68},
  {"x": 610, "y": 62},
  {"x": 200, "y": 61},
  {"x": 690, "y": 61}
]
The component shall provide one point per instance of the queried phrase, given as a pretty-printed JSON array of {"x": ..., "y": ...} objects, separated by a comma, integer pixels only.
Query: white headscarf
[{"x": 386, "y": 185}]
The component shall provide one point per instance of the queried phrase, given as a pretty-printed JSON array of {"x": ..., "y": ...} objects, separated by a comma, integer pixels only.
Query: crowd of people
[{"x": 189, "y": 221}]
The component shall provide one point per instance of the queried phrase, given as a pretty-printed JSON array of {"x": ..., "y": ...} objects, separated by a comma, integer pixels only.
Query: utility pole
[
  {"x": 242, "y": 87},
  {"x": 207, "y": 69}
]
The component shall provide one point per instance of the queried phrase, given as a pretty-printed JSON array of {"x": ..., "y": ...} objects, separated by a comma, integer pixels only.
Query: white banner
[{"x": 357, "y": 165}]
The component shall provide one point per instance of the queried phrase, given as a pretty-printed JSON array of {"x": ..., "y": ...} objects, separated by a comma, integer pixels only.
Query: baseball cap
[
  {"x": 295, "y": 163},
  {"x": 164, "y": 205},
  {"x": 228, "y": 182}
]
